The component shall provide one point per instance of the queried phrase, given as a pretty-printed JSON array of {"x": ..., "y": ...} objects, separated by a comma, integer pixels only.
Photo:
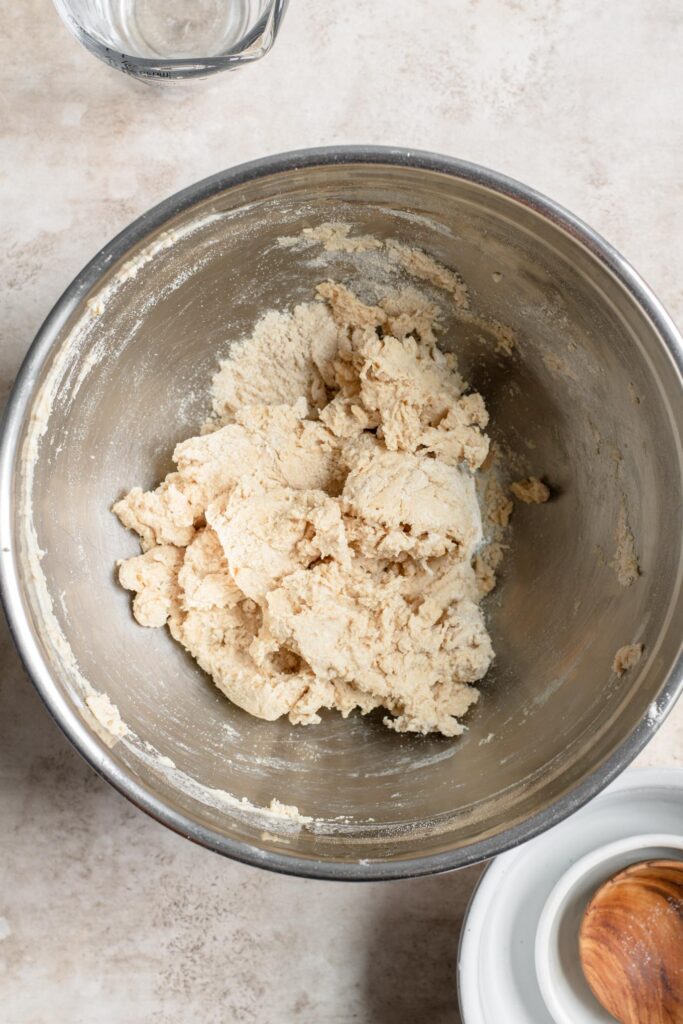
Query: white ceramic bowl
[{"x": 560, "y": 977}]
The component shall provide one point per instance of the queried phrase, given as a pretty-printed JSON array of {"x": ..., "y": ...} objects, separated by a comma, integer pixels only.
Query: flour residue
[{"x": 336, "y": 237}]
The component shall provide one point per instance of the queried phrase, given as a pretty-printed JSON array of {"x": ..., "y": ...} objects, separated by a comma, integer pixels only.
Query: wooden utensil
[{"x": 631, "y": 943}]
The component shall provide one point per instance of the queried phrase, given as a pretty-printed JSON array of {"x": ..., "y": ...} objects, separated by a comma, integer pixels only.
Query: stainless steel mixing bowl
[{"x": 592, "y": 397}]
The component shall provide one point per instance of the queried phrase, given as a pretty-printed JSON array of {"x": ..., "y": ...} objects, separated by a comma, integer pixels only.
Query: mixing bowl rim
[{"x": 95, "y": 752}]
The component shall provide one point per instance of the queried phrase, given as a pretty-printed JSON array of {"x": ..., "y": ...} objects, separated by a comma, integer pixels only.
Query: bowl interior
[{"x": 590, "y": 398}]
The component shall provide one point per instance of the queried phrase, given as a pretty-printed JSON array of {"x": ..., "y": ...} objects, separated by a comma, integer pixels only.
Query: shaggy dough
[{"x": 318, "y": 546}]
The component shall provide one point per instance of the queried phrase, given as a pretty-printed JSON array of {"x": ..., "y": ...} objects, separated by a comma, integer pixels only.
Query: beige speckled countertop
[{"x": 105, "y": 916}]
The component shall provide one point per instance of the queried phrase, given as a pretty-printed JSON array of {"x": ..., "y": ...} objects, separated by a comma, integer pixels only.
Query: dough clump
[
  {"x": 627, "y": 657},
  {"x": 531, "y": 491},
  {"x": 318, "y": 545}
]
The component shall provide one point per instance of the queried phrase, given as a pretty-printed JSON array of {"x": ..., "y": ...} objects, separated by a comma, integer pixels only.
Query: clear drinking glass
[{"x": 172, "y": 39}]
